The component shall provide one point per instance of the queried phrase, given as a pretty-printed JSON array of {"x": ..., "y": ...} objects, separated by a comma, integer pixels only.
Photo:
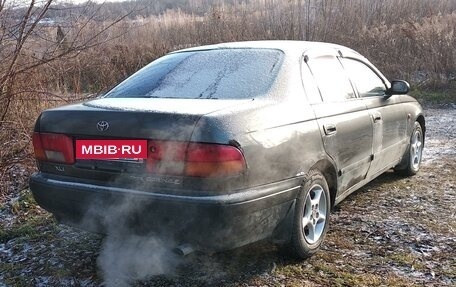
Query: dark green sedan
[{"x": 219, "y": 146}]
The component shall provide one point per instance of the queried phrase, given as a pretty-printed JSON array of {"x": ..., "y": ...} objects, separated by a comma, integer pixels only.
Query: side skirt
[{"x": 360, "y": 184}]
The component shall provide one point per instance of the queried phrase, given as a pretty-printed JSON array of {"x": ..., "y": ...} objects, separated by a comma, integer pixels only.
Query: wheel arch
[
  {"x": 326, "y": 167},
  {"x": 422, "y": 122}
]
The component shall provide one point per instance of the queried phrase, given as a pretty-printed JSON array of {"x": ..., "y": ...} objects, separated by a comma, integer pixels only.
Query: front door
[{"x": 388, "y": 116}]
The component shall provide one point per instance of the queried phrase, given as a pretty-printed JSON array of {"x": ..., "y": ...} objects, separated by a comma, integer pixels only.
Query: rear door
[
  {"x": 344, "y": 121},
  {"x": 388, "y": 116}
]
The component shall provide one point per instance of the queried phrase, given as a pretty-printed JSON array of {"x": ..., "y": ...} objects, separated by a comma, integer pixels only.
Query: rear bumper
[{"x": 208, "y": 222}]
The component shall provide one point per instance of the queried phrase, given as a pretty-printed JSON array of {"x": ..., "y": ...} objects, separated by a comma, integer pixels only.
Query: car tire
[
  {"x": 411, "y": 160},
  {"x": 311, "y": 218}
]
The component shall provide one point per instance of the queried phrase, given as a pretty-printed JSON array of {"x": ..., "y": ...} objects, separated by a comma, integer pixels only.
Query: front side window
[
  {"x": 367, "y": 82},
  {"x": 209, "y": 74},
  {"x": 331, "y": 79}
]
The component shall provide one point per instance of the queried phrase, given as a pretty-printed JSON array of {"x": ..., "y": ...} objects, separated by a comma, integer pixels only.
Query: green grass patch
[
  {"x": 24, "y": 204},
  {"x": 17, "y": 280},
  {"x": 29, "y": 229},
  {"x": 326, "y": 273},
  {"x": 435, "y": 96},
  {"x": 407, "y": 259}
]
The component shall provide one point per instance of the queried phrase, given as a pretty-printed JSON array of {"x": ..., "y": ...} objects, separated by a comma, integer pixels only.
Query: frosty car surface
[{"x": 246, "y": 141}]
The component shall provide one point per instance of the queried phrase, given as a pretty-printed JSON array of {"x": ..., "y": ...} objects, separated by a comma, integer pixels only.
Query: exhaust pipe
[{"x": 183, "y": 250}]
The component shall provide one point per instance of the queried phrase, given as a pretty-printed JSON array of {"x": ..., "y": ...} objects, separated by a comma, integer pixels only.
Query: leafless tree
[{"x": 28, "y": 41}]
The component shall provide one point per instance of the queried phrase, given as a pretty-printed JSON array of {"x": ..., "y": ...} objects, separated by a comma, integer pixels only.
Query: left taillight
[{"x": 53, "y": 147}]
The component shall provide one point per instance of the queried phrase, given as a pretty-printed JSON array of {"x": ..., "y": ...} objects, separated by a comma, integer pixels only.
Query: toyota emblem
[{"x": 102, "y": 126}]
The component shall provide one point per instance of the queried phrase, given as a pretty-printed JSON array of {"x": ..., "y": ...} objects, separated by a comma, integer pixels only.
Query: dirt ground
[{"x": 393, "y": 232}]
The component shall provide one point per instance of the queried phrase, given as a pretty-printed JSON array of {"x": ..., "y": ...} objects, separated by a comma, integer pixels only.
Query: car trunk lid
[{"x": 159, "y": 119}]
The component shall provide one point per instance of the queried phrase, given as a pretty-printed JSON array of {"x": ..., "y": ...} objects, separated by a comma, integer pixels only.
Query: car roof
[{"x": 287, "y": 46}]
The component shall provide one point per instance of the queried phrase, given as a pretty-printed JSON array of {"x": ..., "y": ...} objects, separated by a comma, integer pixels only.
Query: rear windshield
[{"x": 211, "y": 74}]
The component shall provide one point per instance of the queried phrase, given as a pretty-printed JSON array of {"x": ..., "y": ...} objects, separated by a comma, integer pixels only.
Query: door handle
[
  {"x": 329, "y": 129},
  {"x": 376, "y": 117}
]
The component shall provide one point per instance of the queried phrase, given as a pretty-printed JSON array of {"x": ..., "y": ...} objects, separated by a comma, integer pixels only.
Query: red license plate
[{"x": 111, "y": 149}]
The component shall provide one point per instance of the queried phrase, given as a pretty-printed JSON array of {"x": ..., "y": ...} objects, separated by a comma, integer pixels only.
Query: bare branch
[
  {"x": 23, "y": 35},
  {"x": 75, "y": 49}
]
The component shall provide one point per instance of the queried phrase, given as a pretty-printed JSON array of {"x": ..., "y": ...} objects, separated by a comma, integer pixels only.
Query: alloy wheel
[
  {"x": 416, "y": 149},
  {"x": 315, "y": 213}
]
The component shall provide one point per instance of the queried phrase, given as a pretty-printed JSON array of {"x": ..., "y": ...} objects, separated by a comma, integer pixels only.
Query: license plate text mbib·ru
[{"x": 111, "y": 149}]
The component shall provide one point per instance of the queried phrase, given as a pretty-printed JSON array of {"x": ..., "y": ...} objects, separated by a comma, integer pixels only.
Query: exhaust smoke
[
  {"x": 128, "y": 253},
  {"x": 126, "y": 259}
]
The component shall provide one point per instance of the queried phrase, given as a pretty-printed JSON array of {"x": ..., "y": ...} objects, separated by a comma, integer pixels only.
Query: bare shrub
[
  {"x": 90, "y": 48},
  {"x": 404, "y": 38},
  {"x": 34, "y": 53}
]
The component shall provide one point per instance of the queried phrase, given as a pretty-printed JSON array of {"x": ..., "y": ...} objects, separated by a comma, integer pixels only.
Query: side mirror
[{"x": 398, "y": 88}]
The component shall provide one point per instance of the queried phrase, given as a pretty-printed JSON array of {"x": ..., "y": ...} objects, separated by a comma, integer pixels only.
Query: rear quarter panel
[{"x": 279, "y": 140}]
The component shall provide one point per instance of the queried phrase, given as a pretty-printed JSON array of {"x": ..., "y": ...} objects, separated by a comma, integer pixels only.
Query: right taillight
[
  {"x": 194, "y": 159},
  {"x": 53, "y": 147},
  {"x": 213, "y": 160}
]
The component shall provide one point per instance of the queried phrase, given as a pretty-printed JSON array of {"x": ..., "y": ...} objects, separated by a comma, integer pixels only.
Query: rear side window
[
  {"x": 367, "y": 82},
  {"x": 211, "y": 74},
  {"x": 331, "y": 79}
]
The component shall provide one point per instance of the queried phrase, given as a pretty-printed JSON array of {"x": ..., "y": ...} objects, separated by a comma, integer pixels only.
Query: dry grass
[{"x": 405, "y": 39}]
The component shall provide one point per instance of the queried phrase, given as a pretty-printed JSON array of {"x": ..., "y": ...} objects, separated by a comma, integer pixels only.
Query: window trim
[
  {"x": 355, "y": 87},
  {"x": 303, "y": 64}
]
